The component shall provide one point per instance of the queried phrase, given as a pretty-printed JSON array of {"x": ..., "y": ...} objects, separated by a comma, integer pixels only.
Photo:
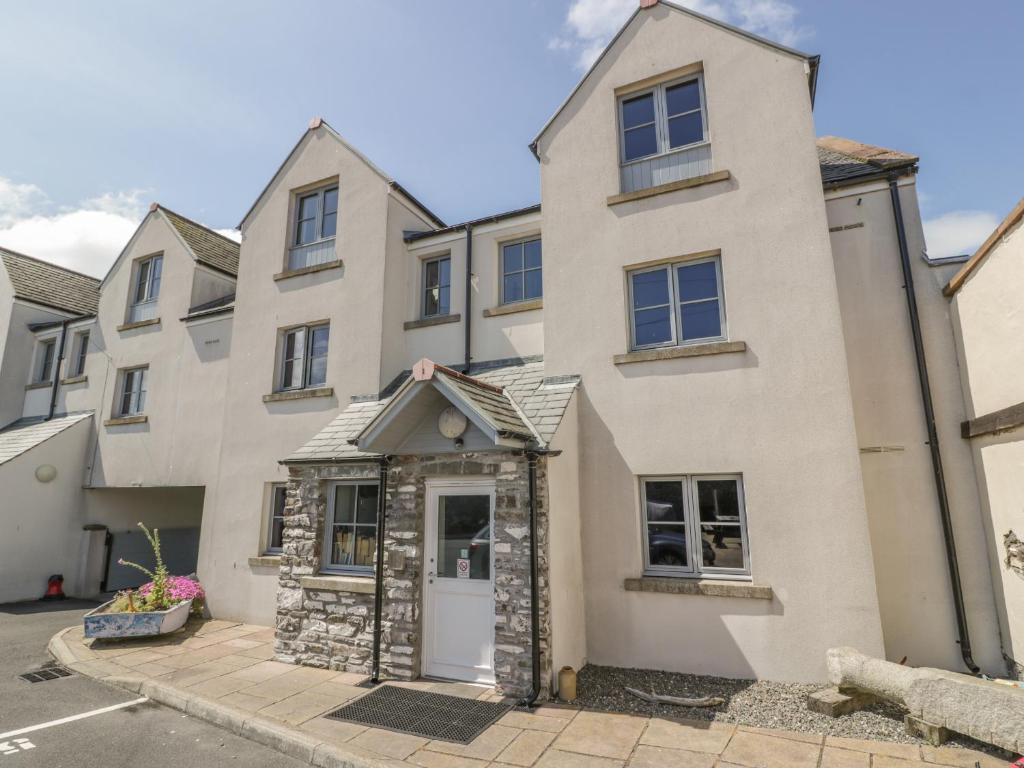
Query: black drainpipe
[
  {"x": 933, "y": 435},
  {"x": 529, "y": 701},
  {"x": 378, "y": 587},
  {"x": 469, "y": 292},
  {"x": 56, "y": 368}
]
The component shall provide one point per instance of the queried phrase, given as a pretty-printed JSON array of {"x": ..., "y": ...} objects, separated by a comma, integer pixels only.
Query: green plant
[{"x": 156, "y": 599}]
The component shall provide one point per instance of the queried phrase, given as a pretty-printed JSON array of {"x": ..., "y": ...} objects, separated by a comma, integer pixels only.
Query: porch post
[{"x": 378, "y": 593}]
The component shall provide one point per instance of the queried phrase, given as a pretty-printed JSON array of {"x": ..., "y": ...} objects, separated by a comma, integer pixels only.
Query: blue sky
[{"x": 109, "y": 106}]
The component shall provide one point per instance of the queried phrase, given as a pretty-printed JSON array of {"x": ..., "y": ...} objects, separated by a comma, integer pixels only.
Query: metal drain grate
[
  {"x": 421, "y": 713},
  {"x": 47, "y": 673}
]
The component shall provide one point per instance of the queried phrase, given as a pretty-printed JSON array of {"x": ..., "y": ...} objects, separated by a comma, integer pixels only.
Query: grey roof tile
[
  {"x": 843, "y": 160},
  {"x": 209, "y": 247},
  {"x": 44, "y": 283},
  {"x": 25, "y": 434}
]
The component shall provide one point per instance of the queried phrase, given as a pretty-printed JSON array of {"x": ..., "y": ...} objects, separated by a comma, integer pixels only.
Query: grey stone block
[{"x": 835, "y": 703}]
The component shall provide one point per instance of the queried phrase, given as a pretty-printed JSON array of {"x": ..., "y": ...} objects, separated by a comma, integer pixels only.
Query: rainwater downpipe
[
  {"x": 933, "y": 435},
  {"x": 531, "y": 699},
  {"x": 56, "y": 368},
  {"x": 378, "y": 586},
  {"x": 469, "y": 294}
]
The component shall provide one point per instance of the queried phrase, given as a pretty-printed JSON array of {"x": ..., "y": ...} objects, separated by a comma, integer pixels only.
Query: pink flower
[{"x": 179, "y": 588}]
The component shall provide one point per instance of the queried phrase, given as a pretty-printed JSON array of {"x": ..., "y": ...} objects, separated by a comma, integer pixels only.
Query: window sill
[
  {"x": 265, "y": 561},
  {"x": 120, "y": 421},
  {"x": 704, "y": 587},
  {"x": 512, "y": 308},
  {"x": 336, "y": 264},
  {"x": 298, "y": 394},
  {"x": 670, "y": 353},
  {"x": 427, "y": 322},
  {"x": 361, "y": 585},
  {"x": 80, "y": 379},
  {"x": 39, "y": 385},
  {"x": 672, "y": 186},
  {"x": 138, "y": 324}
]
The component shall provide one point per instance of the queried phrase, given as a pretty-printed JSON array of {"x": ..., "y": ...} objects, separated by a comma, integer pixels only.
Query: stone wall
[{"x": 333, "y": 628}]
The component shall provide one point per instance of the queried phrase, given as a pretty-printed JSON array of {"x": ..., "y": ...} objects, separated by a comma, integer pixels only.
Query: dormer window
[
  {"x": 314, "y": 228},
  {"x": 145, "y": 289},
  {"x": 663, "y": 134}
]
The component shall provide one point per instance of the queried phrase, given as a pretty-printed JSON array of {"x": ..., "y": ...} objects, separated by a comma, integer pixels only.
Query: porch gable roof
[{"x": 514, "y": 404}]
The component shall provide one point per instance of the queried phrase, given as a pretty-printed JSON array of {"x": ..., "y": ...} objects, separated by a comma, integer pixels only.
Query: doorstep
[{"x": 223, "y": 672}]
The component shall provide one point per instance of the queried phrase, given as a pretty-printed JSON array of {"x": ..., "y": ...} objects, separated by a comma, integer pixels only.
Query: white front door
[{"x": 458, "y": 591}]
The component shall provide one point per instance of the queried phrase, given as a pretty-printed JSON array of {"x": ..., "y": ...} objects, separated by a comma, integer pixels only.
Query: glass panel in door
[{"x": 464, "y": 537}]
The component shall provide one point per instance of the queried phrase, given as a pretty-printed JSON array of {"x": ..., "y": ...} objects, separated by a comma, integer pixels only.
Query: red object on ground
[{"x": 55, "y": 588}]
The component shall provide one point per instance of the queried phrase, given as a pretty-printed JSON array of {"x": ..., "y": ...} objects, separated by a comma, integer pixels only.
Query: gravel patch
[{"x": 757, "y": 703}]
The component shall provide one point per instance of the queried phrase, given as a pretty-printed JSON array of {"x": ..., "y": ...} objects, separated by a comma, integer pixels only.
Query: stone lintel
[
  {"x": 513, "y": 307},
  {"x": 362, "y": 585},
  {"x": 672, "y": 186},
  {"x": 139, "y": 324},
  {"x": 335, "y": 264},
  {"x": 298, "y": 394},
  {"x": 704, "y": 587},
  {"x": 670, "y": 353},
  {"x": 427, "y": 322},
  {"x": 265, "y": 561},
  {"x": 123, "y": 420}
]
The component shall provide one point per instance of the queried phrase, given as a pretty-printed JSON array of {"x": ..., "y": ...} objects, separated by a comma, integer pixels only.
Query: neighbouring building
[{"x": 672, "y": 418}]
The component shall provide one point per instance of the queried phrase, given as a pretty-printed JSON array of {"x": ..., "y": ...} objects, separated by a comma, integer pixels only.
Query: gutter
[
  {"x": 964, "y": 639},
  {"x": 378, "y": 591},
  {"x": 531, "y": 699},
  {"x": 469, "y": 294},
  {"x": 56, "y": 366}
]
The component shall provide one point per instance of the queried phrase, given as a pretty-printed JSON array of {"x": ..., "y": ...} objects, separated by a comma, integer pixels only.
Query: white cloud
[
  {"x": 230, "y": 234},
  {"x": 590, "y": 24},
  {"x": 958, "y": 232},
  {"x": 87, "y": 237}
]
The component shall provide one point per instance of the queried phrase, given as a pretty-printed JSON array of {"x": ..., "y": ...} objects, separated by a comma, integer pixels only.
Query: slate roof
[
  {"x": 25, "y": 434},
  {"x": 540, "y": 401},
  {"x": 493, "y": 402},
  {"x": 843, "y": 160},
  {"x": 209, "y": 247},
  {"x": 215, "y": 307},
  {"x": 52, "y": 286}
]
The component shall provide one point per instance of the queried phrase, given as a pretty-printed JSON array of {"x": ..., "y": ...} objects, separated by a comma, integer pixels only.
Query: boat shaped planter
[{"x": 100, "y": 623}]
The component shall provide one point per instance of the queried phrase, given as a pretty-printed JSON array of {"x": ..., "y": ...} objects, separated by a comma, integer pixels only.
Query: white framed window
[
  {"x": 145, "y": 288},
  {"x": 304, "y": 356},
  {"x": 46, "y": 353},
  {"x": 350, "y": 527},
  {"x": 275, "y": 518},
  {"x": 131, "y": 397},
  {"x": 437, "y": 286},
  {"x": 695, "y": 525},
  {"x": 81, "y": 351},
  {"x": 676, "y": 304},
  {"x": 521, "y": 271},
  {"x": 314, "y": 227},
  {"x": 662, "y": 119}
]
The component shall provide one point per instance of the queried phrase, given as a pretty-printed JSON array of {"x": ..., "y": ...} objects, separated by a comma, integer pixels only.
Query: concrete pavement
[
  {"x": 223, "y": 672},
  {"x": 140, "y": 734}
]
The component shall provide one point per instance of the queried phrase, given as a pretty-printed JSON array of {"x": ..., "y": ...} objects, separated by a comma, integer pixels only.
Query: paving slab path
[{"x": 224, "y": 672}]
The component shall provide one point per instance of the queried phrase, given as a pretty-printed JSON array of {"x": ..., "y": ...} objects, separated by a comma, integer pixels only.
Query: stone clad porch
[{"x": 325, "y": 618}]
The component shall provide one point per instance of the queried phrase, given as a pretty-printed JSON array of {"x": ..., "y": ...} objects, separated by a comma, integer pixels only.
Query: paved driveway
[{"x": 126, "y": 734}]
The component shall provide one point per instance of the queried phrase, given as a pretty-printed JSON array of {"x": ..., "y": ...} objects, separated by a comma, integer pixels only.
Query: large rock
[{"x": 982, "y": 709}]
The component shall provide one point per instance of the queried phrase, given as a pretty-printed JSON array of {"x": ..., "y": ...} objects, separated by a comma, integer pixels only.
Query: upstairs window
[
  {"x": 304, "y": 356},
  {"x": 437, "y": 286},
  {"x": 695, "y": 525},
  {"x": 132, "y": 395},
  {"x": 350, "y": 527},
  {"x": 45, "y": 355},
  {"x": 521, "y": 271},
  {"x": 314, "y": 228},
  {"x": 677, "y": 304},
  {"x": 81, "y": 351},
  {"x": 667, "y": 117},
  {"x": 146, "y": 289}
]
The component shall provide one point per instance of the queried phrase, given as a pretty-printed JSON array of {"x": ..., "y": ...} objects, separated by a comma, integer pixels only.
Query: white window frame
[
  {"x": 269, "y": 547},
  {"x": 691, "y": 513},
  {"x": 319, "y": 194},
  {"x": 661, "y": 118},
  {"x": 325, "y": 565},
  {"x": 81, "y": 351},
  {"x": 523, "y": 271},
  {"x": 307, "y": 356},
  {"x": 39, "y": 374},
  {"x": 424, "y": 287},
  {"x": 673, "y": 295},
  {"x": 150, "y": 294},
  {"x": 137, "y": 400}
]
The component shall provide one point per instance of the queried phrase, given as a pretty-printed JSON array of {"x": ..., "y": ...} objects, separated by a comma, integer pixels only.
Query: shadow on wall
[
  {"x": 210, "y": 342},
  {"x": 678, "y": 633}
]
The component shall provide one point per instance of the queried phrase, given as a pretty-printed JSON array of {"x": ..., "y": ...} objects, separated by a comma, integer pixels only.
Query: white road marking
[
  {"x": 6, "y": 747},
  {"x": 71, "y": 719}
]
